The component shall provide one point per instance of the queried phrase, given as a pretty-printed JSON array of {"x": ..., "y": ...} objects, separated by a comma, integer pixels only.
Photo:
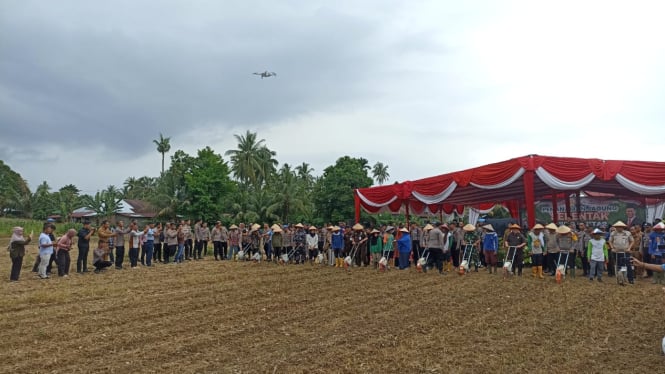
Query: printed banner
[{"x": 594, "y": 212}]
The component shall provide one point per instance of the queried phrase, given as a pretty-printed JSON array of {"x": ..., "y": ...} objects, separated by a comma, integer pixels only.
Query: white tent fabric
[
  {"x": 639, "y": 188},
  {"x": 558, "y": 184}
]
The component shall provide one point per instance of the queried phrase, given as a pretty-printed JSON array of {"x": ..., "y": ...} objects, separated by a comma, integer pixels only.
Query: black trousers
[
  {"x": 17, "y": 263},
  {"x": 64, "y": 261},
  {"x": 133, "y": 257},
  {"x": 198, "y": 247},
  {"x": 224, "y": 251},
  {"x": 169, "y": 251},
  {"x": 519, "y": 261},
  {"x": 436, "y": 258},
  {"x": 157, "y": 254},
  {"x": 119, "y": 256},
  {"x": 188, "y": 249},
  {"x": 623, "y": 259},
  {"x": 143, "y": 251},
  {"x": 586, "y": 267},
  {"x": 216, "y": 248},
  {"x": 416, "y": 250},
  {"x": 610, "y": 264},
  {"x": 552, "y": 258},
  {"x": 455, "y": 253},
  {"x": 82, "y": 260}
]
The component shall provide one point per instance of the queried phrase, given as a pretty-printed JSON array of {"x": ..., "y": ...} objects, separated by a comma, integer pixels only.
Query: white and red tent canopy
[{"x": 521, "y": 180}]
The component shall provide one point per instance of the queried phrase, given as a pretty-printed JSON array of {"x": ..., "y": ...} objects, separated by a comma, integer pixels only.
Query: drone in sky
[{"x": 266, "y": 74}]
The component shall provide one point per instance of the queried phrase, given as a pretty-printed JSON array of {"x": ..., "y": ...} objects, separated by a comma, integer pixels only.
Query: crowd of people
[{"x": 444, "y": 247}]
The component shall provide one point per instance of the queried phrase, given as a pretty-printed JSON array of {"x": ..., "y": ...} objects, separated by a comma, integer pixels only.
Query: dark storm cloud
[{"x": 119, "y": 84}]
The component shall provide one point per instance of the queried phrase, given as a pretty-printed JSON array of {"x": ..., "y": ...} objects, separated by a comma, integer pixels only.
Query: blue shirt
[
  {"x": 150, "y": 235},
  {"x": 490, "y": 242},
  {"x": 337, "y": 240},
  {"x": 43, "y": 240},
  {"x": 404, "y": 243}
]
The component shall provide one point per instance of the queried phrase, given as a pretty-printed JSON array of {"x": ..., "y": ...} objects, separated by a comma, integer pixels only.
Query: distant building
[{"x": 138, "y": 210}]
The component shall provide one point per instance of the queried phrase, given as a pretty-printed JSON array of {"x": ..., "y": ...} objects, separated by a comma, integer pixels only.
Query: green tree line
[{"x": 247, "y": 183}]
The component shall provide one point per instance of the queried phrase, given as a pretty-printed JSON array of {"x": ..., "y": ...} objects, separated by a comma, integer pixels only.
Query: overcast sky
[{"x": 425, "y": 87}]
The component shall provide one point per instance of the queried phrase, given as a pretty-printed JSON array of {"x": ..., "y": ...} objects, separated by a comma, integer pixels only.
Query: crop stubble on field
[{"x": 208, "y": 316}]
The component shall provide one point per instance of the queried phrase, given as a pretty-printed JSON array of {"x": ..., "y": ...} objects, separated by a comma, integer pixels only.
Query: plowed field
[{"x": 226, "y": 317}]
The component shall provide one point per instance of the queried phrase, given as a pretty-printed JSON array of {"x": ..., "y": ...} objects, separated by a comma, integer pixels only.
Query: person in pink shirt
[{"x": 62, "y": 248}]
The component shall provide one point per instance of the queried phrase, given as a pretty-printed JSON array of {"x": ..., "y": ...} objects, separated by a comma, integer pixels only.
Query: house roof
[{"x": 128, "y": 208}]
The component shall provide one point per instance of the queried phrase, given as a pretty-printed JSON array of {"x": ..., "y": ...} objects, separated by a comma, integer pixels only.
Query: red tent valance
[{"x": 520, "y": 179}]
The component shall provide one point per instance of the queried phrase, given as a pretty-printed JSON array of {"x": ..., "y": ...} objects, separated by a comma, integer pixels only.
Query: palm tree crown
[
  {"x": 163, "y": 146},
  {"x": 380, "y": 173}
]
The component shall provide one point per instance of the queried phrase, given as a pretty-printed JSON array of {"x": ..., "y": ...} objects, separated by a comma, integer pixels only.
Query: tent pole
[
  {"x": 555, "y": 208},
  {"x": 408, "y": 219},
  {"x": 529, "y": 198},
  {"x": 567, "y": 202},
  {"x": 356, "y": 199},
  {"x": 578, "y": 205}
]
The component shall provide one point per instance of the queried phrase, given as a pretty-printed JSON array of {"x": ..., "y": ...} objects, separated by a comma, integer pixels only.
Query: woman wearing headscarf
[
  {"x": 62, "y": 249},
  {"x": 404, "y": 248},
  {"x": 16, "y": 251}
]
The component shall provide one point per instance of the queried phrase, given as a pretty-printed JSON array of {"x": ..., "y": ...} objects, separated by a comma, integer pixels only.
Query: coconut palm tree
[
  {"x": 252, "y": 161},
  {"x": 305, "y": 173},
  {"x": 287, "y": 197},
  {"x": 163, "y": 146},
  {"x": 380, "y": 173},
  {"x": 268, "y": 165}
]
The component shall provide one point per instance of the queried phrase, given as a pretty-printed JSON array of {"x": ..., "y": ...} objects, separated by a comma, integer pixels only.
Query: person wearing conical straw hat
[
  {"x": 552, "y": 251},
  {"x": 254, "y": 239},
  {"x": 516, "y": 240},
  {"x": 337, "y": 243},
  {"x": 471, "y": 238},
  {"x": 389, "y": 244},
  {"x": 597, "y": 254},
  {"x": 447, "y": 244},
  {"x": 490, "y": 247},
  {"x": 375, "y": 246},
  {"x": 404, "y": 248},
  {"x": 566, "y": 246},
  {"x": 359, "y": 239},
  {"x": 312, "y": 240},
  {"x": 620, "y": 243},
  {"x": 536, "y": 244},
  {"x": 234, "y": 241},
  {"x": 277, "y": 240}
]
